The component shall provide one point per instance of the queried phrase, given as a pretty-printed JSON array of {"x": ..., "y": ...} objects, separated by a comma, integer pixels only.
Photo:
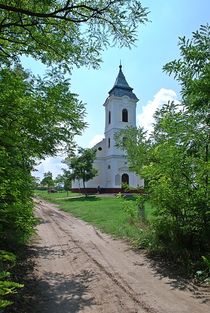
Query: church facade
[{"x": 111, "y": 162}]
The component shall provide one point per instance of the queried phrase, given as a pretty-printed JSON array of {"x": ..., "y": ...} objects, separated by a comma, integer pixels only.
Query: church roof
[{"x": 121, "y": 87}]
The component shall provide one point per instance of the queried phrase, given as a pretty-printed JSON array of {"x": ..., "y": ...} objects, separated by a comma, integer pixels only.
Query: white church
[{"x": 111, "y": 162}]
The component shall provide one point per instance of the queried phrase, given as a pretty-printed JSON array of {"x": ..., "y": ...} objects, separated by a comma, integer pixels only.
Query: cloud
[
  {"x": 145, "y": 118},
  {"x": 95, "y": 140},
  {"x": 55, "y": 165},
  {"x": 52, "y": 164}
]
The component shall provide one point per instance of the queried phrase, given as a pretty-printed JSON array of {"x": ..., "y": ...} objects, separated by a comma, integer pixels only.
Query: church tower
[
  {"x": 111, "y": 162},
  {"x": 120, "y": 111}
]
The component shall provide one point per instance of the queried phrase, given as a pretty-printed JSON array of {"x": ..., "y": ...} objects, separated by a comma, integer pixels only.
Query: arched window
[
  {"x": 125, "y": 115},
  {"x": 109, "y": 141},
  {"x": 109, "y": 120},
  {"x": 125, "y": 179}
]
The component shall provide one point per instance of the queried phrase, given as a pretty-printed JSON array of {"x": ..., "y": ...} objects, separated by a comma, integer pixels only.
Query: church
[{"x": 111, "y": 163}]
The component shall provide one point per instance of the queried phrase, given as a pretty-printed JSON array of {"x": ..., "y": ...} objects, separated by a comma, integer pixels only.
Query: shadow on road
[
  {"x": 53, "y": 292},
  {"x": 67, "y": 294}
]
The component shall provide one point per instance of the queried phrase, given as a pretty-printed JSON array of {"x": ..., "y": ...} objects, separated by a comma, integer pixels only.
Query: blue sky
[{"x": 142, "y": 66}]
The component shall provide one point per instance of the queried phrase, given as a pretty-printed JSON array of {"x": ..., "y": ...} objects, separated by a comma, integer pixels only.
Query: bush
[{"x": 7, "y": 287}]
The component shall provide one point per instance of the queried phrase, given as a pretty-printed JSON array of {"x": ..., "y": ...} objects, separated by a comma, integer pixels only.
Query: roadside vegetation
[
  {"x": 174, "y": 159},
  {"x": 115, "y": 215}
]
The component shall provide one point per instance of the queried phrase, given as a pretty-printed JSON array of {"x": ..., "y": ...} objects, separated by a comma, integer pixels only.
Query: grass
[
  {"x": 53, "y": 196},
  {"x": 104, "y": 212}
]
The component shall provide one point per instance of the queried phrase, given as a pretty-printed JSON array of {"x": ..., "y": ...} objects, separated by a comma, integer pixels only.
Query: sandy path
[{"x": 79, "y": 269}]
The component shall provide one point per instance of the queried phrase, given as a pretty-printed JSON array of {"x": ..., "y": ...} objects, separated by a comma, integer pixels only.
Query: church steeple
[{"x": 121, "y": 87}]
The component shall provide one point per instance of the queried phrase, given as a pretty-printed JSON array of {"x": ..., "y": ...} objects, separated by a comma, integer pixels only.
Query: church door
[{"x": 125, "y": 179}]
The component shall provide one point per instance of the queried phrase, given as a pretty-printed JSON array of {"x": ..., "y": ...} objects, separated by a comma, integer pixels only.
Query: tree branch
[{"x": 66, "y": 10}]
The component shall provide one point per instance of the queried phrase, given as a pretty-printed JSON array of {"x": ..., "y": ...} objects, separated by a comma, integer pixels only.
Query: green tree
[
  {"x": 48, "y": 180},
  {"x": 64, "y": 180},
  {"x": 137, "y": 144},
  {"x": 177, "y": 180},
  {"x": 36, "y": 116},
  {"x": 81, "y": 166},
  {"x": 174, "y": 160},
  {"x": 67, "y": 32},
  {"x": 192, "y": 70},
  {"x": 59, "y": 181},
  {"x": 67, "y": 180}
]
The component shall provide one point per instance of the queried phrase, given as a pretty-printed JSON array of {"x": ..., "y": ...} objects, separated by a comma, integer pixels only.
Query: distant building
[{"x": 111, "y": 162}]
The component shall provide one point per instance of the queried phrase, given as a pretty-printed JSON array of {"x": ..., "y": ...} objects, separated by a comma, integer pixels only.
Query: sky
[{"x": 142, "y": 65}]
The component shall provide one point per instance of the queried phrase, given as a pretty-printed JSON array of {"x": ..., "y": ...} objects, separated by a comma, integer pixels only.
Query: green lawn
[
  {"x": 104, "y": 212},
  {"x": 57, "y": 195}
]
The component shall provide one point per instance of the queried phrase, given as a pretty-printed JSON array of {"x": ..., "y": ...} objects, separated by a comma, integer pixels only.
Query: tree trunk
[{"x": 84, "y": 187}]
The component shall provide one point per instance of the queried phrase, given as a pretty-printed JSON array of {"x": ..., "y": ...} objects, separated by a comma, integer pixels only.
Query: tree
[
  {"x": 36, "y": 117},
  {"x": 174, "y": 160},
  {"x": 137, "y": 144},
  {"x": 41, "y": 113},
  {"x": 193, "y": 72},
  {"x": 64, "y": 180},
  {"x": 67, "y": 32},
  {"x": 81, "y": 166},
  {"x": 176, "y": 178},
  {"x": 48, "y": 180}
]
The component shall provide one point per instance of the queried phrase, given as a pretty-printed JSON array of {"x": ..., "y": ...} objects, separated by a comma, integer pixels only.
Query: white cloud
[
  {"x": 55, "y": 165},
  {"x": 145, "y": 118},
  {"x": 51, "y": 164},
  {"x": 95, "y": 140}
]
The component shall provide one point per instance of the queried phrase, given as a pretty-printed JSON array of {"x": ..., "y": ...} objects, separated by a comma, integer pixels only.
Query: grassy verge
[
  {"x": 54, "y": 196},
  {"x": 104, "y": 212}
]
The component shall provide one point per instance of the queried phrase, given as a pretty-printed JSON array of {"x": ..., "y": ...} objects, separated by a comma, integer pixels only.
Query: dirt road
[{"x": 79, "y": 269}]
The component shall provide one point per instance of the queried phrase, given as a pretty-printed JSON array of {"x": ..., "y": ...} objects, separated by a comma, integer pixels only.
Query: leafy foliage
[
  {"x": 66, "y": 179},
  {"x": 81, "y": 166},
  {"x": 174, "y": 160},
  {"x": 48, "y": 180},
  {"x": 67, "y": 32},
  {"x": 192, "y": 70},
  {"x": 7, "y": 287},
  {"x": 36, "y": 116}
]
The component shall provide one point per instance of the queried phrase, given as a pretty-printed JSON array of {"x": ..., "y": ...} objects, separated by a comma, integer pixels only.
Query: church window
[
  {"x": 109, "y": 166},
  {"x": 99, "y": 148},
  {"x": 125, "y": 115},
  {"x": 109, "y": 117},
  {"x": 109, "y": 142}
]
